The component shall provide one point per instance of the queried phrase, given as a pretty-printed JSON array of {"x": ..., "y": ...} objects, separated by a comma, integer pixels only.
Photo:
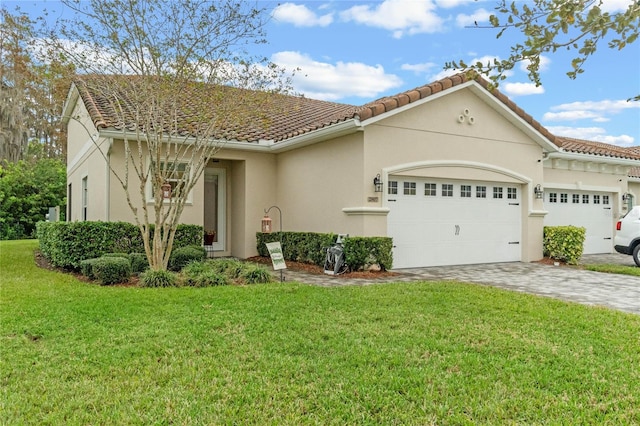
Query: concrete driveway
[{"x": 621, "y": 292}]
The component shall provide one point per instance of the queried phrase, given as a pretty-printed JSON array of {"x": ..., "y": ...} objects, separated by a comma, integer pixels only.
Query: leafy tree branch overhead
[{"x": 547, "y": 26}]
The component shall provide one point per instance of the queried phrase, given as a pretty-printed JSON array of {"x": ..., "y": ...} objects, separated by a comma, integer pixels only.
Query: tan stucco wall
[{"x": 634, "y": 189}]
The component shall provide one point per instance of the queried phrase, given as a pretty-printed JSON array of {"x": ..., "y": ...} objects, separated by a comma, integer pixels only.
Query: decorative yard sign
[{"x": 277, "y": 259}]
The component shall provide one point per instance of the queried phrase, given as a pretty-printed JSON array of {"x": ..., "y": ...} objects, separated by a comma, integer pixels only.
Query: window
[
  {"x": 481, "y": 192},
  {"x": 409, "y": 188},
  {"x": 393, "y": 187},
  {"x": 497, "y": 192},
  {"x": 430, "y": 189},
  {"x": 69, "y": 192},
  {"x": 585, "y": 198},
  {"x": 564, "y": 198},
  {"x": 575, "y": 198},
  {"x": 447, "y": 190},
  {"x": 175, "y": 174},
  {"x": 553, "y": 197},
  {"x": 596, "y": 199},
  {"x": 512, "y": 193},
  {"x": 605, "y": 199},
  {"x": 465, "y": 191},
  {"x": 84, "y": 197}
]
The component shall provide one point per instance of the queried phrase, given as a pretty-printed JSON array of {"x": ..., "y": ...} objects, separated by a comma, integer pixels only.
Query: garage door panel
[{"x": 455, "y": 222}]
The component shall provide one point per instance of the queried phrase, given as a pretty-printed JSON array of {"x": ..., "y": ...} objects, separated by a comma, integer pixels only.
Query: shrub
[
  {"x": 180, "y": 257},
  {"x": 111, "y": 270},
  {"x": 153, "y": 278},
  {"x": 139, "y": 262},
  {"x": 122, "y": 255},
  {"x": 564, "y": 243},
  {"x": 206, "y": 278},
  {"x": 232, "y": 268},
  {"x": 361, "y": 252},
  {"x": 86, "y": 268},
  {"x": 256, "y": 274}
]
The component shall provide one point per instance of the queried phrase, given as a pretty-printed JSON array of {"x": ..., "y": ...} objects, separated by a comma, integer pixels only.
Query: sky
[{"x": 357, "y": 51}]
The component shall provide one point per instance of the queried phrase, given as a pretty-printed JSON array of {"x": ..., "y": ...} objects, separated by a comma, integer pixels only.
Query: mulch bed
[{"x": 318, "y": 270}]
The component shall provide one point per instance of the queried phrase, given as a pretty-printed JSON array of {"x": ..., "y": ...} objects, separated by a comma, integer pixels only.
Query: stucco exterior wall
[{"x": 316, "y": 182}]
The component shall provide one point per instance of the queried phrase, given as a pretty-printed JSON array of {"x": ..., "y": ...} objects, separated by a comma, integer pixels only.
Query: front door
[{"x": 215, "y": 202}]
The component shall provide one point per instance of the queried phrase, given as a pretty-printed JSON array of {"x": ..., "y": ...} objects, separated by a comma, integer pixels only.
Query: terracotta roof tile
[{"x": 597, "y": 148}]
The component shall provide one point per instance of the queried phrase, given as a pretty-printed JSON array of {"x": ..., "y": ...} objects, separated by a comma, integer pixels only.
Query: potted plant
[{"x": 209, "y": 237}]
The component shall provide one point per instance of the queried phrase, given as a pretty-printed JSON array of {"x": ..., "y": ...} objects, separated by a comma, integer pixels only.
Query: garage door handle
[
  {"x": 514, "y": 204},
  {"x": 514, "y": 242},
  {"x": 607, "y": 208},
  {"x": 607, "y": 238},
  {"x": 391, "y": 200}
]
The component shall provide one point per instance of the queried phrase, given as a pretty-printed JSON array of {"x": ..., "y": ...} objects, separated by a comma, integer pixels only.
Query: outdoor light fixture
[
  {"x": 538, "y": 191},
  {"x": 625, "y": 196},
  {"x": 377, "y": 183},
  {"x": 266, "y": 220}
]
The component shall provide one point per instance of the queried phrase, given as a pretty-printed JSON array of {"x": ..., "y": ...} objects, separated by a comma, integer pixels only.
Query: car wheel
[{"x": 636, "y": 254}]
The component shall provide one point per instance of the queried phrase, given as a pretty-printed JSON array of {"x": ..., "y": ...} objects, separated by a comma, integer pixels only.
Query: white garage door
[
  {"x": 448, "y": 222},
  {"x": 591, "y": 210}
]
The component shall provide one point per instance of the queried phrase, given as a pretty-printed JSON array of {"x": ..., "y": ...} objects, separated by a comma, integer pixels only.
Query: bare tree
[{"x": 172, "y": 81}]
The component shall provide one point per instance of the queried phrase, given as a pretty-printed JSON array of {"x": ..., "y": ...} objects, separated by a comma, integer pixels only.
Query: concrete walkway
[{"x": 621, "y": 292}]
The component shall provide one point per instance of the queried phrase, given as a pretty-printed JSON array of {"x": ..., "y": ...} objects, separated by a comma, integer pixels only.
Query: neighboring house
[{"x": 459, "y": 165}]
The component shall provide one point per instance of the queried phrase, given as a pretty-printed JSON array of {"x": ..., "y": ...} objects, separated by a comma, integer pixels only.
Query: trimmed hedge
[
  {"x": 66, "y": 244},
  {"x": 564, "y": 243},
  {"x": 180, "y": 257},
  {"x": 310, "y": 247},
  {"x": 111, "y": 270}
]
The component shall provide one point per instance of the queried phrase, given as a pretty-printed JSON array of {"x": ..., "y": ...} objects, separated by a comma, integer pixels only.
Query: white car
[{"x": 627, "y": 239}]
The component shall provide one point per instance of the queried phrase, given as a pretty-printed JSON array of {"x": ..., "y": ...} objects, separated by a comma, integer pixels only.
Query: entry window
[
  {"x": 175, "y": 174},
  {"x": 564, "y": 198},
  {"x": 393, "y": 187},
  {"x": 585, "y": 198},
  {"x": 596, "y": 199},
  {"x": 512, "y": 193},
  {"x": 481, "y": 192},
  {"x": 605, "y": 199},
  {"x": 575, "y": 198},
  {"x": 447, "y": 190},
  {"x": 553, "y": 197},
  {"x": 497, "y": 192},
  {"x": 430, "y": 189},
  {"x": 465, "y": 191},
  {"x": 409, "y": 188}
]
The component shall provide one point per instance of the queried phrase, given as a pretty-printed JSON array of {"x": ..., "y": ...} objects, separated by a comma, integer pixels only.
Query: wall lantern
[
  {"x": 266, "y": 224},
  {"x": 625, "y": 196},
  {"x": 377, "y": 183},
  {"x": 538, "y": 191},
  {"x": 166, "y": 190}
]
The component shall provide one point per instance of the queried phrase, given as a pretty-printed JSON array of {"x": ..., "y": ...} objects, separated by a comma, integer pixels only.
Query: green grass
[
  {"x": 614, "y": 269},
  {"x": 290, "y": 354}
]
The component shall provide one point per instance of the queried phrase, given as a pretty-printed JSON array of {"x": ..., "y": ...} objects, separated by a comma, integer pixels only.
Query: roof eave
[
  {"x": 70, "y": 103},
  {"x": 564, "y": 155}
]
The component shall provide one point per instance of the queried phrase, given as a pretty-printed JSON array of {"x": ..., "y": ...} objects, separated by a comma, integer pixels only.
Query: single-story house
[{"x": 465, "y": 175}]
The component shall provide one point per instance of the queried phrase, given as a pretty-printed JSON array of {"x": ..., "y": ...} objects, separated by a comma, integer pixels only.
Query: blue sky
[{"x": 357, "y": 51}]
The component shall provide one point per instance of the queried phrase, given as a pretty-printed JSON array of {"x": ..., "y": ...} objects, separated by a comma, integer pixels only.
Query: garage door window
[
  {"x": 596, "y": 199},
  {"x": 605, "y": 199},
  {"x": 576, "y": 198},
  {"x": 553, "y": 197},
  {"x": 465, "y": 191},
  {"x": 447, "y": 190},
  {"x": 481, "y": 192},
  {"x": 430, "y": 189},
  {"x": 585, "y": 198},
  {"x": 497, "y": 192},
  {"x": 512, "y": 193},
  {"x": 409, "y": 188},
  {"x": 393, "y": 187},
  {"x": 564, "y": 198}
]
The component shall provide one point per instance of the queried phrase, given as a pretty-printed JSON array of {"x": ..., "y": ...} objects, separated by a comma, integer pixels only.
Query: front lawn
[
  {"x": 614, "y": 269},
  {"x": 414, "y": 354}
]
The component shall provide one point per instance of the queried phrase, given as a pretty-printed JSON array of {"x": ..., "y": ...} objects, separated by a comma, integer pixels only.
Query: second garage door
[{"x": 448, "y": 222}]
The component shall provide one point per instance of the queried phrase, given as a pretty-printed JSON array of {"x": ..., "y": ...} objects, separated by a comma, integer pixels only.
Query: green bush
[
  {"x": 153, "y": 278},
  {"x": 139, "y": 262},
  {"x": 86, "y": 267},
  {"x": 255, "y": 274},
  {"x": 232, "y": 268},
  {"x": 205, "y": 278},
  {"x": 111, "y": 270},
  {"x": 564, "y": 243},
  {"x": 66, "y": 244},
  {"x": 180, "y": 257},
  {"x": 310, "y": 247}
]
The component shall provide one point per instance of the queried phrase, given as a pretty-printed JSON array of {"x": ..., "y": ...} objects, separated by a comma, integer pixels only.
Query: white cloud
[
  {"x": 331, "y": 82},
  {"x": 419, "y": 68},
  {"x": 448, "y": 4},
  {"x": 598, "y": 111},
  {"x": 479, "y": 16},
  {"x": 613, "y": 6},
  {"x": 597, "y": 134},
  {"x": 401, "y": 17},
  {"x": 521, "y": 89},
  {"x": 300, "y": 16}
]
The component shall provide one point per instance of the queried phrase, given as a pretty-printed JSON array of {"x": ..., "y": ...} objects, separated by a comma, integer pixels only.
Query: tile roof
[
  {"x": 278, "y": 117},
  {"x": 596, "y": 148}
]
